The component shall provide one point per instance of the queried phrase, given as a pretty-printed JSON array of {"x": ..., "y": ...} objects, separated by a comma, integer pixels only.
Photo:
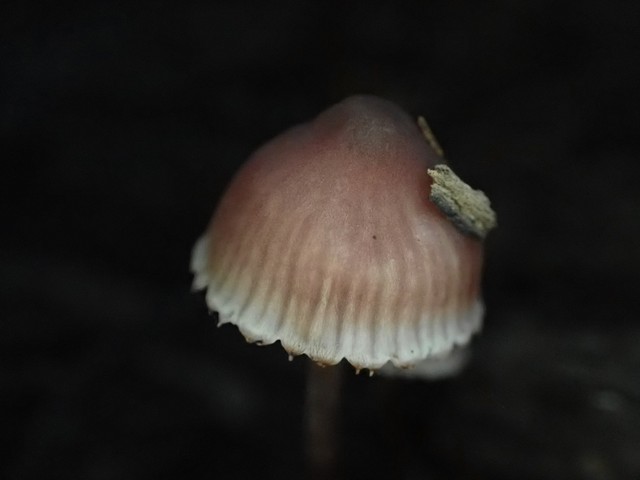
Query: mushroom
[
  {"x": 348, "y": 237},
  {"x": 334, "y": 240}
]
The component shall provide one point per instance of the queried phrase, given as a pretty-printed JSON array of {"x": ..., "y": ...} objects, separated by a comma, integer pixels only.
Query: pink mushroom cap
[{"x": 326, "y": 240}]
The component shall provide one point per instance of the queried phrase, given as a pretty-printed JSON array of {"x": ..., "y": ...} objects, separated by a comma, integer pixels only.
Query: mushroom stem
[{"x": 322, "y": 412}]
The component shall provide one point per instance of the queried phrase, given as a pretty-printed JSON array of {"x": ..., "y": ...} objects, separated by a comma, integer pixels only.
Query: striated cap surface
[{"x": 326, "y": 240}]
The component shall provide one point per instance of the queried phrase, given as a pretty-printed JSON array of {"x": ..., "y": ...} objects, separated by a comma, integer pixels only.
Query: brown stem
[{"x": 322, "y": 412}]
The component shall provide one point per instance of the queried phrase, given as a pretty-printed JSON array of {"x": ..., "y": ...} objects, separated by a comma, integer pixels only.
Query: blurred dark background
[{"x": 120, "y": 125}]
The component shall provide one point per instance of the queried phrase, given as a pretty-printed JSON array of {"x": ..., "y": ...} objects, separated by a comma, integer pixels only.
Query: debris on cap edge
[
  {"x": 468, "y": 209},
  {"x": 429, "y": 136}
]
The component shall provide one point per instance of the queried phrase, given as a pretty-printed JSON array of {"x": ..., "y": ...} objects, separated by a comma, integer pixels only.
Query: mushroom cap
[{"x": 327, "y": 241}]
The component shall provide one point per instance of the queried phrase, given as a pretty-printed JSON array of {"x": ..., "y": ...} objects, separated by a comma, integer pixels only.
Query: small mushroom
[{"x": 331, "y": 241}]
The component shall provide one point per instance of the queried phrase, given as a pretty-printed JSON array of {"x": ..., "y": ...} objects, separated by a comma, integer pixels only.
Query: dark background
[{"x": 120, "y": 125}]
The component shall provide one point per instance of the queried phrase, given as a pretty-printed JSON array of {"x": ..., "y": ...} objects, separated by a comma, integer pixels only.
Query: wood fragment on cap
[
  {"x": 430, "y": 137},
  {"x": 468, "y": 209}
]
